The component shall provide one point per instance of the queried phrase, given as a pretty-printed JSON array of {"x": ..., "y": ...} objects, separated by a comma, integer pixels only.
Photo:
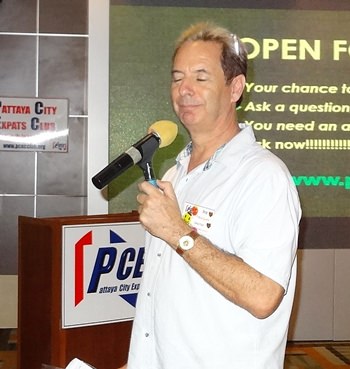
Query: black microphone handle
[
  {"x": 141, "y": 152},
  {"x": 112, "y": 170}
]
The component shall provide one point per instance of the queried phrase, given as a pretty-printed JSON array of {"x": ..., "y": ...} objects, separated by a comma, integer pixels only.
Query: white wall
[{"x": 98, "y": 87}]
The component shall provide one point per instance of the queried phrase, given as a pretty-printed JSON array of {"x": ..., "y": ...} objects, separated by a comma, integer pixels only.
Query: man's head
[{"x": 233, "y": 55}]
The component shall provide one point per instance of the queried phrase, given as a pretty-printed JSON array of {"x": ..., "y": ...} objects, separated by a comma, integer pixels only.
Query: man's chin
[
  {"x": 189, "y": 115},
  {"x": 188, "y": 119}
]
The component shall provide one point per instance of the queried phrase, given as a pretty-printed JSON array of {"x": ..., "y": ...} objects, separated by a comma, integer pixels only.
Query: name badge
[{"x": 198, "y": 217}]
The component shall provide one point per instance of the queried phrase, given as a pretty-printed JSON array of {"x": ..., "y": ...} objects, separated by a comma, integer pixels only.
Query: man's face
[{"x": 201, "y": 98}]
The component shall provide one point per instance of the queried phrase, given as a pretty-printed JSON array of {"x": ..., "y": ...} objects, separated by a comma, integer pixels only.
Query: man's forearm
[{"x": 235, "y": 279}]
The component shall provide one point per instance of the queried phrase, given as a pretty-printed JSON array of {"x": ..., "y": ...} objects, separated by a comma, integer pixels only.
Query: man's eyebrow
[
  {"x": 176, "y": 71},
  {"x": 200, "y": 70}
]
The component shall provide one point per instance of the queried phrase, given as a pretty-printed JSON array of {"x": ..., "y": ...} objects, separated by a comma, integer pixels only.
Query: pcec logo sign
[{"x": 102, "y": 266}]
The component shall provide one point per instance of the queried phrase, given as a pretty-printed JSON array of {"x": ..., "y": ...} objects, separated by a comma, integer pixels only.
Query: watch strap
[{"x": 193, "y": 234}]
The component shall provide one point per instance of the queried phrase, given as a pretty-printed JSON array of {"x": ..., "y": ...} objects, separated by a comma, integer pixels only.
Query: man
[{"x": 222, "y": 228}]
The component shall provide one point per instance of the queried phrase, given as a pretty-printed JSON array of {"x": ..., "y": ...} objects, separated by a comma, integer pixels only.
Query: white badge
[{"x": 198, "y": 217}]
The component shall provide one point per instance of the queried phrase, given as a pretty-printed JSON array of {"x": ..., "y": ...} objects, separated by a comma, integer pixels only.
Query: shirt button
[
  {"x": 148, "y": 293},
  {"x": 146, "y": 334},
  {"x": 159, "y": 254}
]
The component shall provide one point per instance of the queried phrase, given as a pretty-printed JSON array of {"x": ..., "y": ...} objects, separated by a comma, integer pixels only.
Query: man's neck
[{"x": 204, "y": 146}]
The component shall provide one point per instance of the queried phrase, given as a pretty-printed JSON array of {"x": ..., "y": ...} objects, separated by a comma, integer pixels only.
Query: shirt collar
[
  {"x": 186, "y": 152},
  {"x": 245, "y": 137}
]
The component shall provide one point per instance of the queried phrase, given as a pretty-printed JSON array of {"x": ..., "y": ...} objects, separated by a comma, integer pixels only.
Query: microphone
[{"x": 160, "y": 134}]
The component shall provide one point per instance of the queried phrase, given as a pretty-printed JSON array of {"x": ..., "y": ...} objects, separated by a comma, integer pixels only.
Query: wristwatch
[{"x": 186, "y": 242}]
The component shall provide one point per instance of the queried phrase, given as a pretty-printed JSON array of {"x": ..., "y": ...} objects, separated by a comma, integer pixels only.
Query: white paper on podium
[{"x": 78, "y": 364}]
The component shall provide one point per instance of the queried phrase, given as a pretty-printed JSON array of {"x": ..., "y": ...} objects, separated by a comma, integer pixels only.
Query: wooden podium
[{"x": 41, "y": 339}]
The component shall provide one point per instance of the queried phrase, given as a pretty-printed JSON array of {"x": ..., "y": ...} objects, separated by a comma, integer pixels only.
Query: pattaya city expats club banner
[
  {"x": 33, "y": 124},
  {"x": 102, "y": 266}
]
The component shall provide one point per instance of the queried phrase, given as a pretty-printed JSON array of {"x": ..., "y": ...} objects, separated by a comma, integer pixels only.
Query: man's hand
[{"x": 159, "y": 212}]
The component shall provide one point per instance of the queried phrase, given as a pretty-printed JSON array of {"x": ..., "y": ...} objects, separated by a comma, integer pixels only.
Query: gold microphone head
[{"x": 166, "y": 130}]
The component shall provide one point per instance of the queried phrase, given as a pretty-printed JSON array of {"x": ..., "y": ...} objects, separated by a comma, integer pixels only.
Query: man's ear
[{"x": 237, "y": 87}]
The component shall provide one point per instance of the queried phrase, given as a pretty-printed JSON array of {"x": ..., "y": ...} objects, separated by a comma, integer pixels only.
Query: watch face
[{"x": 186, "y": 242}]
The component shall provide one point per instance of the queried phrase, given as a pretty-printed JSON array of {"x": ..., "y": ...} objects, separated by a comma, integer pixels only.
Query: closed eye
[
  {"x": 202, "y": 75},
  {"x": 176, "y": 76}
]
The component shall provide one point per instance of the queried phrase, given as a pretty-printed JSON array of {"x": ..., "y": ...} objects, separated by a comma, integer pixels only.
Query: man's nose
[{"x": 186, "y": 87}]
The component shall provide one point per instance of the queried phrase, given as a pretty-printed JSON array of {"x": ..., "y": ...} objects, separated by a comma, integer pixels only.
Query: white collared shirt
[{"x": 244, "y": 202}]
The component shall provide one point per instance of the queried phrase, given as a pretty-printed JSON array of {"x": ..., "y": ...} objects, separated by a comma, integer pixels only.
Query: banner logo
[{"x": 102, "y": 270}]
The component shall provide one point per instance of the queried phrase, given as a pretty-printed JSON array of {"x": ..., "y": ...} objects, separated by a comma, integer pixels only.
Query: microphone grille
[{"x": 166, "y": 130}]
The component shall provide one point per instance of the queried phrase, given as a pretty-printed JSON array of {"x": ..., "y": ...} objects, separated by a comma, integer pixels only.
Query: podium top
[{"x": 83, "y": 219}]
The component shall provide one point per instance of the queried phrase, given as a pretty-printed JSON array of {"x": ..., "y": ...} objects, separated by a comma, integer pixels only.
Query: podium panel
[{"x": 41, "y": 338}]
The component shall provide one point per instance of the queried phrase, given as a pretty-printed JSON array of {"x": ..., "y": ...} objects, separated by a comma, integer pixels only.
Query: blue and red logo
[{"x": 120, "y": 262}]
